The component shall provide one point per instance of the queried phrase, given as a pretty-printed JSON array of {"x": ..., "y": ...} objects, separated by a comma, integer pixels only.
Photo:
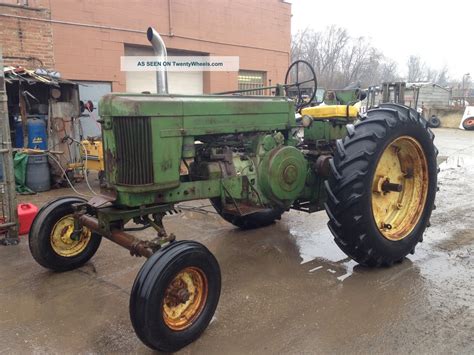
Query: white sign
[{"x": 201, "y": 63}]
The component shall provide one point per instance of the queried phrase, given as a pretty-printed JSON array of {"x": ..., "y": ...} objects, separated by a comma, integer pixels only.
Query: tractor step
[{"x": 242, "y": 210}]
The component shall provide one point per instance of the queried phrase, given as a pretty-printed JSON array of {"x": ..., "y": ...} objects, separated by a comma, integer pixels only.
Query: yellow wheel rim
[
  {"x": 400, "y": 188},
  {"x": 185, "y": 298},
  {"x": 61, "y": 240}
]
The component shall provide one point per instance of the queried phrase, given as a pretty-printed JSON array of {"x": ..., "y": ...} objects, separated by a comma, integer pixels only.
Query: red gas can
[{"x": 26, "y": 214}]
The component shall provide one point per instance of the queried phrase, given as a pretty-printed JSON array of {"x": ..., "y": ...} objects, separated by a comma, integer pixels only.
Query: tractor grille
[{"x": 134, "y": 150}]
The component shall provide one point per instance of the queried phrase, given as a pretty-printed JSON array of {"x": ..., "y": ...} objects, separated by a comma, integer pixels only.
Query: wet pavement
[{"x": 287, "y": 288}]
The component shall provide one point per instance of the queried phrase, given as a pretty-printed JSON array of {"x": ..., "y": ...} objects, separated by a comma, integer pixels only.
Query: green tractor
[{"x": 376, "y": 177}]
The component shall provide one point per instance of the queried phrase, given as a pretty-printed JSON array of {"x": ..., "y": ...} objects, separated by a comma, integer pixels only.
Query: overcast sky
[{"x": 438, "y": 32}]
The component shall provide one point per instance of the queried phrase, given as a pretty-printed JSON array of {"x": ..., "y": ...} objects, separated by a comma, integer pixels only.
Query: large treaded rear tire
[
  {"x": 349, "y": 187},
  {"x": 255, "y": 220}
]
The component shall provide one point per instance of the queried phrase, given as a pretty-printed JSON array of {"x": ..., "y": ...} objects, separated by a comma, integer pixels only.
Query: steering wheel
[{"x": 300, "y": 101}]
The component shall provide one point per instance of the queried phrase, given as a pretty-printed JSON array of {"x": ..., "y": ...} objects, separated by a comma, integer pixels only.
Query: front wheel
[
  {"x": 383, "y": 185},
  {"x": 51, "y": 241},
  {"x": 175, "y": 295}
]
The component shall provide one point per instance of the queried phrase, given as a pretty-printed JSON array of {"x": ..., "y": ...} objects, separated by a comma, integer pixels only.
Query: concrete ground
[{"x": 286, "y": 288}]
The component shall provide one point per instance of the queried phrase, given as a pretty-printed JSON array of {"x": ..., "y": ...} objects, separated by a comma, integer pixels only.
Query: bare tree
[
  {"x": 420, "y": 71},
  {"x": 356, "y": 61},
  {"x": 439, "y": 77},
  {"x": 443, "y": 77},
  {"x": 334, "y": 41},
  {"x": 340, "y": 60},
  {"x": 416, "y": 69},
  {"x": 389, "y": 71}
]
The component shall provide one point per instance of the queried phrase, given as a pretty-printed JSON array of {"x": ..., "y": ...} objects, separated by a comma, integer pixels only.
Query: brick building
[
  {"x": 26, "y": 43},
  {"x": 84, "y": 39}
]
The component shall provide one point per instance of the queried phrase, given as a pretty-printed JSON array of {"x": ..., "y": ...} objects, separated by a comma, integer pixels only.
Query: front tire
[
  {"x": 49, "y": 238},
  {"x": 175, "y": 295},
  {"x": 383, "y": 185}
]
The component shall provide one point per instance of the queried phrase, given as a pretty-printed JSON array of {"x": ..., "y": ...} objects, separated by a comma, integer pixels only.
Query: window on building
[{"x": 249, "y": 79}]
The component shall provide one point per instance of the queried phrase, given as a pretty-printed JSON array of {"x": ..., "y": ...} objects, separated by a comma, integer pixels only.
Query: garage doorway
[
  {"x": 93, "y": 91},
  {"x": 251, "y": 79},
  {"x": 185, "y": 82}
]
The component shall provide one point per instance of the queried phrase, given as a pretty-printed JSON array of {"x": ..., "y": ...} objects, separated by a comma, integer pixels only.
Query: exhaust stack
[{"x": 160, "y": 51}]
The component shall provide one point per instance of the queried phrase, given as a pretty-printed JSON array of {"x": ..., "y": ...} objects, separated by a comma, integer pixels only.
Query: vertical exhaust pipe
[{"x": 160, "y": 51}]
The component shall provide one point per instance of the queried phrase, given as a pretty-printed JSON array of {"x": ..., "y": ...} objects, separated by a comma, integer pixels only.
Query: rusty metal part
[
  {"x": 290, "y": 174},
  {"x": 185, "y": 298},
  {"x": 386, "y": 226},
  {"x": 387, "y": 186},
  {"x": 157, "y": 224},
  {"x": 177, "y": 293},
  {"x": 101, "y": 201},
  {"x": 322, "y": 165},
  {"x": 136, "y": 246},
  {"x": 66, "y": 241}
]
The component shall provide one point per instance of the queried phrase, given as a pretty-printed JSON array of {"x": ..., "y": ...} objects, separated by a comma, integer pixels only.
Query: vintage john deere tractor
[{"x": 375, "y": 176}]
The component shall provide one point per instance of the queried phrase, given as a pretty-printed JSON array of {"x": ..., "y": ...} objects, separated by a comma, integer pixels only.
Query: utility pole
[{"x": 8, "y": 203}]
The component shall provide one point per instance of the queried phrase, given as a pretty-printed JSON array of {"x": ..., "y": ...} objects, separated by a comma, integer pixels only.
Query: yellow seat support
[{"x": 331, "y": 111}]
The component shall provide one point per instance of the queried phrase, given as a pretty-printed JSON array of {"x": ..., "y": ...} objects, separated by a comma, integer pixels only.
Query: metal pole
[
  {"x": 464, "y": 88},
  {"x": 10, "y": 218}
]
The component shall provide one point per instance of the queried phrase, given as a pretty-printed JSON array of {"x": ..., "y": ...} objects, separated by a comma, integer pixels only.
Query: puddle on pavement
[
  {"x": 457, "y": 161},
  {"x": 313, "y": 237},
  {"x": 460, "y": 238},
  {"x": 317, "y": 247}
]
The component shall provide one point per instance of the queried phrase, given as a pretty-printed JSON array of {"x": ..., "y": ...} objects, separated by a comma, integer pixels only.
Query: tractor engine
[{"x": 274, "y": 173}]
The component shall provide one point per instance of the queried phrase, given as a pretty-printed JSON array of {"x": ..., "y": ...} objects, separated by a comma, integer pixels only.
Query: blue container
[
  {"x": 18, "y": 133},
  {"x": 37, "y": 133}
]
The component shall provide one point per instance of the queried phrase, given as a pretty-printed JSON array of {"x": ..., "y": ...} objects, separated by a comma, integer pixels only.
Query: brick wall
[
  {"x": 24, "y": 42},
  {"x": 258, "y": 31}
]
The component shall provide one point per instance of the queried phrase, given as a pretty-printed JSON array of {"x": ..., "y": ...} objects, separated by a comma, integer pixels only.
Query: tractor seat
[{"x": 328, "y": 112}]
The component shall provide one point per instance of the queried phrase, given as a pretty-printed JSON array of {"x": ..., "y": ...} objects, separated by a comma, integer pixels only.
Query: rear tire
[
  {"x": 175, "y": 295},
  {"x": 350, "y": 188},
  {"x": 434, "y": 122},
  {"x": 251, "y": 221},
  {"x": 60, "y": 253}
]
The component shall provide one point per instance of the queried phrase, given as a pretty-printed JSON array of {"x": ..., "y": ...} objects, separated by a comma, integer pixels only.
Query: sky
[{"x": 437, "y": 31}]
